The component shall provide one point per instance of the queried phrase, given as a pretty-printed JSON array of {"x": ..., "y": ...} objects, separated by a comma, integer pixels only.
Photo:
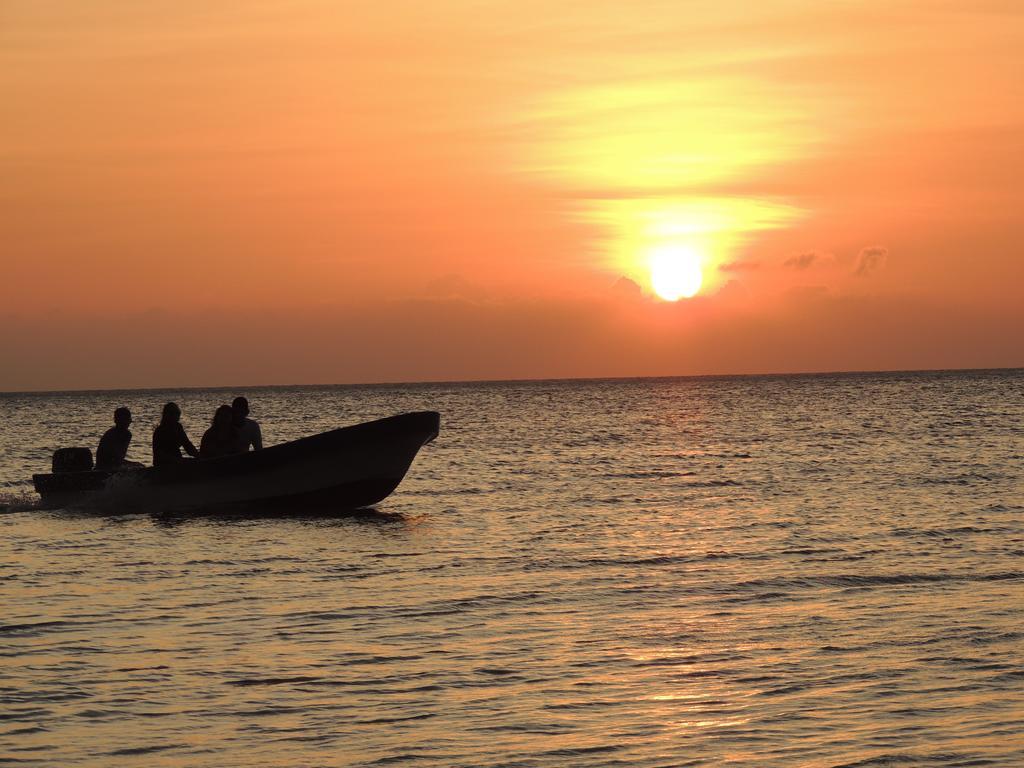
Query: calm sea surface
[{"x": 770, "y": 571}]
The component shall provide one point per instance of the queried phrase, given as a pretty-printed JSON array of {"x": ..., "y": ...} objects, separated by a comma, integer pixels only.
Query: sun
[{"x": 675, "y": 272}]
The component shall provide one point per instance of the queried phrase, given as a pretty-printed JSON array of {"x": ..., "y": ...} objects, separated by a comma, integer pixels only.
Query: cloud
[
  {"x": 806, "y": 260},
  {"x": 627, "y": 288},
  {"x": 871, "y": 259}
]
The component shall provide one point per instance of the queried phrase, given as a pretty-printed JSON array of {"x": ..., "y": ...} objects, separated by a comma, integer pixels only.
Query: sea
[{"x": 810, "y": 570}]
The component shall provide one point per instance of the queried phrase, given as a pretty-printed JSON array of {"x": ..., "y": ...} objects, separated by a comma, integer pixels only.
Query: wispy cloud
[
  {"x": 802, "y": 260},
  {"x": 870, "y": 260}
]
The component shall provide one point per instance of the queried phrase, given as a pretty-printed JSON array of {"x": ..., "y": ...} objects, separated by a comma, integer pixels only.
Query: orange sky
[{"x": 207, "y": 192}]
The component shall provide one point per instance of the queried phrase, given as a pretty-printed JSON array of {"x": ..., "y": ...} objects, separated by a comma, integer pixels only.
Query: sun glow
[
  {"x": 675, "y": 272},
  {"x": 677, "y": 245}
]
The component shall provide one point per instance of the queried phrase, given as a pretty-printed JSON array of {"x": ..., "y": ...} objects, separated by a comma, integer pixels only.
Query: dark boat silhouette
[{"x": 345, "y": 468}]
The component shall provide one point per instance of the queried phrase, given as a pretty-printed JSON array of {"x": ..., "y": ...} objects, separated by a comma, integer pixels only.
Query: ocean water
[{"x": 752, "y": 571}]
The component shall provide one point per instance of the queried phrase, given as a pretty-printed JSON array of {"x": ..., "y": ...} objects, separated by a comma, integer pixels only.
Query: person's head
[
  {"x": 122, "y": 417},
  {"x": 240, "y": 407},
  {"x": 171, "y": 414},
  {"x": 222, "y": 416}
]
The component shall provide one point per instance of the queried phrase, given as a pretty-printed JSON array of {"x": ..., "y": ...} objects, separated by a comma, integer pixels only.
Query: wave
[{"x": 881, "y": 580}]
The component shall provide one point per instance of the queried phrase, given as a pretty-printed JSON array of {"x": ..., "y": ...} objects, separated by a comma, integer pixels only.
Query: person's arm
[
  {"x": 257, "y": 436},
  {"x": 101, "y": 453},
  {"x": 122, "y": 449},
  {"x": 187, "y": 444}
]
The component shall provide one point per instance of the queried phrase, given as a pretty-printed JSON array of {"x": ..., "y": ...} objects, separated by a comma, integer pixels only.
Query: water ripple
[{"x": 767, "y": 572}]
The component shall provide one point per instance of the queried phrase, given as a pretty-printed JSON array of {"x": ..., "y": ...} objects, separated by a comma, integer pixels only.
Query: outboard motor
[{"x": 72, "y": 460}]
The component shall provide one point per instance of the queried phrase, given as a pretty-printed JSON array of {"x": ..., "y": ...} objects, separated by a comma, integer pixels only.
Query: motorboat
[{"x": 347, "y": 468}]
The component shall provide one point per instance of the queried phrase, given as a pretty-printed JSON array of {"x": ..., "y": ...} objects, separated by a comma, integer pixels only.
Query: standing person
[
  {"x": 248, "y": 430},
  {"x": 221, "y": 438},
  {"x": 113, "y": 448},
  {"x": 169, "y": 438}
]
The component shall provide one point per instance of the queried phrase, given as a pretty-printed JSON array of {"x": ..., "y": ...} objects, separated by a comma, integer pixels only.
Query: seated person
[
  {"x": 221, "y": 439},
  {"x": 248, "y": 430},
  {"x": 113, "y": 447},
  {"x": 169, "y": 438}
]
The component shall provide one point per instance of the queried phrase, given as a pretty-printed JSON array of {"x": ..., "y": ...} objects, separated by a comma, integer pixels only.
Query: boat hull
[{"x": 346, "y": 468}]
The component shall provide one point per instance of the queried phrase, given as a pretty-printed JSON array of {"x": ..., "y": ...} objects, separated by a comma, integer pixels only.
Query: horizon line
[{"x": 437, "y": 382}]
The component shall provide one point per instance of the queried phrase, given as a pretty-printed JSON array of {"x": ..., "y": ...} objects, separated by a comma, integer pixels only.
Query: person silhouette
[
  {"x": 221, "y": 438},
  {"x": 169, "y": 438},
  {"x": 249, "y": 434},
  {"x": 113, "y": 447}
]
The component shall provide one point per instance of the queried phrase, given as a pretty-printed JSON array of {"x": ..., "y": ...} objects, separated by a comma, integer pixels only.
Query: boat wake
[
  {"x": 123, "y": 499},
  {"x": 12, "y": 502}
]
